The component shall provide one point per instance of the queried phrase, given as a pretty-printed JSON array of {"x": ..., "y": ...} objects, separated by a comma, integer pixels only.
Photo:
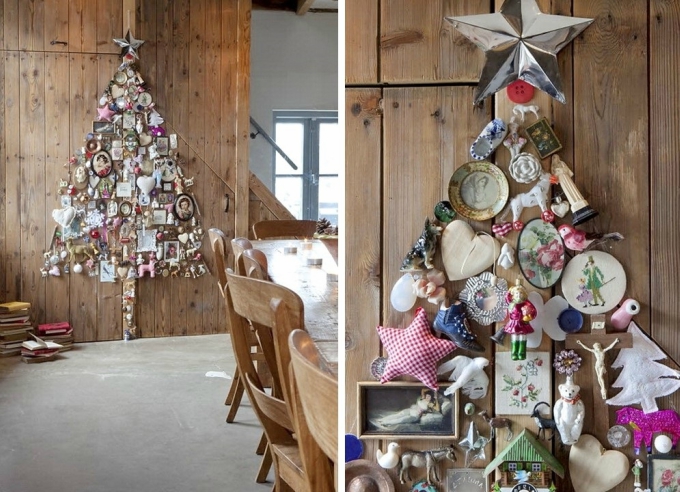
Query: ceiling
[{"x": 299, "y": 6}]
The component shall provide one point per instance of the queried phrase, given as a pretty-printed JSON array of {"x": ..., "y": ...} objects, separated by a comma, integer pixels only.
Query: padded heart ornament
[
  {"x": 117, "y": 91},
  {"x": 183, "y": 238},
  {"x": 145, "y": 139},
  {"x": 146, "y": 184},
  {"x": 587, "y": 462},
  {"x": 560, "y": 208},
  {"x": 465, "y": 253},
  {"x": 64, "y": 216}
]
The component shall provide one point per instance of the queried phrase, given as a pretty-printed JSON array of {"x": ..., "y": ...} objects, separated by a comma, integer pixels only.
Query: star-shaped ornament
[
  {"x": 105, "y": 113},
  {"x": 520, "y": 42},
  {"x": 414, "y": 351},
  {"x": 473, "y": 444},
  {"x": 129, "y": 44}
]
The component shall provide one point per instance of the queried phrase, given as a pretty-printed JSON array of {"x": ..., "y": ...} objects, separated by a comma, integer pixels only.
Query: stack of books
[
  {"x": 15, "y": 326},
  {"x": 61, "y": 333},
  {"x": 38, "y": 350}
]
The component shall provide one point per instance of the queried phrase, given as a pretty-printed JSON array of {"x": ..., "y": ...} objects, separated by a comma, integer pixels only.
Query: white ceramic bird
[
  {"x": 468, "y": 374},
  {"x": 389, "y": 459},
  {"x": 507, "y": 257}
]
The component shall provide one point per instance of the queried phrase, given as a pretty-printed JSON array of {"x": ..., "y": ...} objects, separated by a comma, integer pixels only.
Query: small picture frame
[
  {"x": 162, "y": 145},
  {"x": 107, "y": 271},
  {"x": 162, "y": 198},
  {"x": 171, "y": 251},
  {"x": 124, "y": 189},
  {"x": 543, "y": 137},
  {"x": 117, "y": 153},
  {"x": 466, "y": 480},
  {"x": 184, "y": 207},
  {"x": 159, "y": 216},
  {"x": 101, "y": 163},
  {"x": 663, "y": 472},
  {"x": 173, "y": 140},
  {"x": 125, "y": 208},
  {"x": 146, "y": 240},
  {"x": 167, "y": 186},
  {"x": 65, "y": 201},
  {"x": 129, "y": 120},
  {"x": 104, "y": 127},
  {"x": 403, "y": 410}
]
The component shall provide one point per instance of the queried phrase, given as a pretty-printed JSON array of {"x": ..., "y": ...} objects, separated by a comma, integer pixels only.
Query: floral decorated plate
[
  {"x": 478, "y": 190},
  {"x": 541, "y": 254}
]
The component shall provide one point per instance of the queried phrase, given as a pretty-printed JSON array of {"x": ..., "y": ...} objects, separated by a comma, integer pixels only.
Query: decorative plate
[
  {"x": 540, "y": 253},
  {"x": 101, "y": 163},
  {"x": 120, "y": 78},
  {"x": 144, "y": 98},
  {"x": 478, "y": 190},
  {"x": 485, "y": 302},
  {"x": 594, "y": 282}
]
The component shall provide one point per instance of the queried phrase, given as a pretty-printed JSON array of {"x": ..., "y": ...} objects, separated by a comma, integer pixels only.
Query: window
[
  {"x": 512, "y": 467},
  {"x": 312, "y": 141},
  {"x": 536, "y": 467}
]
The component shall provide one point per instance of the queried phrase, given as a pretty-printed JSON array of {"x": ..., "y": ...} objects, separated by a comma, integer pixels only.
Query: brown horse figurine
[
  {"x": 89, "y": 249},
  {"x": 497, "y": 423}
]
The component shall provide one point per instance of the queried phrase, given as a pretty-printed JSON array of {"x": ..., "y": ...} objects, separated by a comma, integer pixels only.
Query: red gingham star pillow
[{"x": 414, "y": 351}]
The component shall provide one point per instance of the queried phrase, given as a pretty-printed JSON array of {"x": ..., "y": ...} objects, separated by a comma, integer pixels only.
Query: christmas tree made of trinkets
[{"x": 126, "y": 209}]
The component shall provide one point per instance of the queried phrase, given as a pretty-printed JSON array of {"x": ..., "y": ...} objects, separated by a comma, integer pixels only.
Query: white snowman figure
[{"x": 569, "y": 411}]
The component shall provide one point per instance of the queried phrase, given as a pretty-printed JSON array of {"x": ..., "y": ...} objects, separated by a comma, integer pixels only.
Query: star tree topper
[
  {"x": 129, "y": 44},
  {"x": 414, "y": 351},
  {"x": 520, "y": 42}
]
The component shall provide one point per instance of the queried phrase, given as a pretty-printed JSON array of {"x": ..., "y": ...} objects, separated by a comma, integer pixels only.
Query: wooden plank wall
[
  {"x": 191, "y": 60},
  {"x": 409, "y": 124}
]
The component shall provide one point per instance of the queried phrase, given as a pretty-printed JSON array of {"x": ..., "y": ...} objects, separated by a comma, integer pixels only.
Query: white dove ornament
[
  {"x": 391, "y": 458},
  {"x": 468, "y": 374}
]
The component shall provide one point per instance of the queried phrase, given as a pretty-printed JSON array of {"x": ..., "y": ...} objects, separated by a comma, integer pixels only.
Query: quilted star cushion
[{"x": 414, "y": 351}]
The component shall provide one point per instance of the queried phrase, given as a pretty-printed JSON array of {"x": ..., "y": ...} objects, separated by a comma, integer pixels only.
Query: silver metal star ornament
[
  {"x": 520, "y": 42},
  {"x": 473, "y": 444},
  {"x": 129, "y": 44}
]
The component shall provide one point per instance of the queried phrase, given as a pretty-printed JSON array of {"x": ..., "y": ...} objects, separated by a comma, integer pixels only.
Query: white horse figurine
[
  {"x": 522, "y": 110},
  {"x": 538, "y": 195}
]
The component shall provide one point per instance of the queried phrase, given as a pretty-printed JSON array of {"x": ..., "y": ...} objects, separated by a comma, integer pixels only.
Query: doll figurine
[{"x": 520, "y": 311}]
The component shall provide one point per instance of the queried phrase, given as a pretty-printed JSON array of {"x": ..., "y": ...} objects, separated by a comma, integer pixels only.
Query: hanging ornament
[
  {"x": 129, "y": 45},
  {"x": 520, "y": 42}
]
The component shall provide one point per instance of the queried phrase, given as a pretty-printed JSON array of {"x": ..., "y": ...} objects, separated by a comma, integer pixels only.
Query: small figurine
[
  {"x": 520, "y": 311},
  {"x": 468, "y": 375},
  {"x": 452, "y": 323},
  {"x": 624, "y": 315},
  {"x": 423, "y": 250},
  {"x": 522, "y": 110},
  {"x": 600, "y": 368},
  {"x": 637, "y": 468},
  {"x": 391, "y": 458},
  {"x": 170, "y": 220},
  {"x": 577, "y": 240},
  {"x": 569, "y": 412},
  {"x": 427, "y": 459},
  {"x": 580, "y": 209},
  {"x": 497, "y": 423},
  {"x": 536, "y": 196},
  {"x": 507, "y": 256},
  {"x": 543, "y": 423},
  {"x": 431, "y": 288}
]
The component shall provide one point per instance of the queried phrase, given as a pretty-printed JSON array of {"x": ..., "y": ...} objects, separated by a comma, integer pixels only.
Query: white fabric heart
[
  {"x": 146, "y": 184},
  {"x": 183, "y": 238},
  {"x": 145, "y": 139},
  {"x": 588, "y": 460},
  {"x": 546, "y": 319},
  {"x": 465, "y": 253},
  {"x": 117, "y": 91},
  {"x": 64, "y": 216}
]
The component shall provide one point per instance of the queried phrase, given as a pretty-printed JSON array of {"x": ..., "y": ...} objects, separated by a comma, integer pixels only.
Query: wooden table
[{"x": 317, "y": 286}]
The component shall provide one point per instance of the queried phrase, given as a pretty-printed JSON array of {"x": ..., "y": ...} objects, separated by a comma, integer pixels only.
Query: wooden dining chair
[
  {"x": 261, "y": 303},
  {"x": 255, "y": 264},
  {"x": 300, "y": 229},
  {"x": 317, "y": 388},
  {"x": 238, "y": 246}
]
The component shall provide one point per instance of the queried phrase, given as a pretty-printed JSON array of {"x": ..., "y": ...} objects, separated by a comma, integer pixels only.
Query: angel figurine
[{"x": 520, "y": 311}]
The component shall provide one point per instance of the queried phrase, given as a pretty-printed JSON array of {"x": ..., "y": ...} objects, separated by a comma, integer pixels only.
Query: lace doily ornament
[{"x": 525, "y": 168}]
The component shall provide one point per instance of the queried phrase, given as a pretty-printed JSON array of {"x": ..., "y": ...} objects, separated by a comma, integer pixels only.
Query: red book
[{"x": 54, "y": 328}]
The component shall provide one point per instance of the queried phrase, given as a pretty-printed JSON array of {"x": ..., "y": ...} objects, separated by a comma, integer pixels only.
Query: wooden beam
[
  {"x": 303, "y": 6},
  {"x": 129, "y": 16}
]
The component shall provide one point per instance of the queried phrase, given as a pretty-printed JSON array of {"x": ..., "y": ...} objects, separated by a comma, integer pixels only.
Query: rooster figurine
[{"x": 577, "y": 240}]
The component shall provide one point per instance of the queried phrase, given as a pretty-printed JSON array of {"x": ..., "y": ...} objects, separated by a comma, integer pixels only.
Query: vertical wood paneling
[
  {"x": 180, "y": 67},
  {"x": 31, "y": 24},
  {"x": 361, "y": 26},
  {"x": 164, "y": 60},
  {"x": 13, "y": 164},
  {"x": 82, "y": 26},
  {"x": 56, "y": 25},
  {"x": 241, "y": 188},
  {"x": 32, "y": 104},
  {"x": 197, "y": 79},
  {"x": 11, "y": 24},
  {"x": 228, "y": 93},
  {"x": 213, "y": 85},
  {"x": 363, "y": 170},
  {"x": 418, "y": 45},
  {"x": 57, "y": 153},
  {"x": 3, "y": 178},
  {"x": 664, "y": 149},
  {"x": 194, "y": 298},
  {"x": 110, "y": 18}
]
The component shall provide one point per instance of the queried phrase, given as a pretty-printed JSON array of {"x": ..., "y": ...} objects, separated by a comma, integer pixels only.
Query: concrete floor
[{"x": 126, "y": 416}]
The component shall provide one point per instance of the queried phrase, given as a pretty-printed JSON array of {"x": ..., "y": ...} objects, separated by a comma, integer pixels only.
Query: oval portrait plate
[
  {"x": 478, "y": 190},
  {"x": 540, "y": 254},
  {"x": 594, "y": 282}
]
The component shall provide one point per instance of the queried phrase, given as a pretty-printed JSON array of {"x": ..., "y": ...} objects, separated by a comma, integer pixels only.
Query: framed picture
[
  {"x": 101, "y": 163},
  {"x": 117, "y": 153},
  {"x": 544, "y": 139},
  {"x": 107, "y": 127},
  {"x": 128, "y": 120},
  {"x": 159, "y": 216},
  {"x": 663, "y": 472},
  {"x": 521, "y": 384},
  {"x": 466, "y": 480},
  {"x": 167, "y": 186},
  {"x": 124, "y": 189},
  {"x": 399, "y": 410},
  {"x": 146, "y": 240},
  {"x": 106, "y": 271},
  {"x": 125, "y": 208},
  {"x": 162, "y": 145},
  {"x": 184, "y": 207},
  {"x": 171, "y": 251}
]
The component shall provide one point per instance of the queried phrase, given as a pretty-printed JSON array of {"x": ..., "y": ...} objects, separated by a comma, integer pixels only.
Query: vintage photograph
[
  {"x": 101, "y": 163},
  {"x": 184, "y": 207},
  {"x": 171, "y": 251},
  {"x": 103, "y": 127},
  {"x": 394, "y": 410},
  {"x": 162, "y": 145}
]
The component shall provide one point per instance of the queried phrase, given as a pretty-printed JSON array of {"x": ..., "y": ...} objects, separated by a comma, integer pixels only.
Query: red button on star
[{"x": 520, "y": 92}]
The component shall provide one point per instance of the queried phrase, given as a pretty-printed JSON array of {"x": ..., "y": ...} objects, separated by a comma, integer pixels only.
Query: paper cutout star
[
  {"x": 473, "y": 444},
  {"x": 129, "y": 44},
  {"x": 520, "y": 42},
  {"x": 105, "y": 113},
  {"x": 414, "y": 351}
]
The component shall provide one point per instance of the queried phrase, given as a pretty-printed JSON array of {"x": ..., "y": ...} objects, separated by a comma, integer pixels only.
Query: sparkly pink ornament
[
  {"x": 645, "y": 425},
  {"x": 157, "y": 131}
]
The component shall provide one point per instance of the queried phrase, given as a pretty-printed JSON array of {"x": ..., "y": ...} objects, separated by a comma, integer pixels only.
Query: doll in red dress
[{"x": 520, "y": 312}]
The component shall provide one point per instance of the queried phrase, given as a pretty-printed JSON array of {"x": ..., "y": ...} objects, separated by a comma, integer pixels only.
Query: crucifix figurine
[
  {"x": 580, "y": 209},
  {"x": 600, "y": 368}
]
